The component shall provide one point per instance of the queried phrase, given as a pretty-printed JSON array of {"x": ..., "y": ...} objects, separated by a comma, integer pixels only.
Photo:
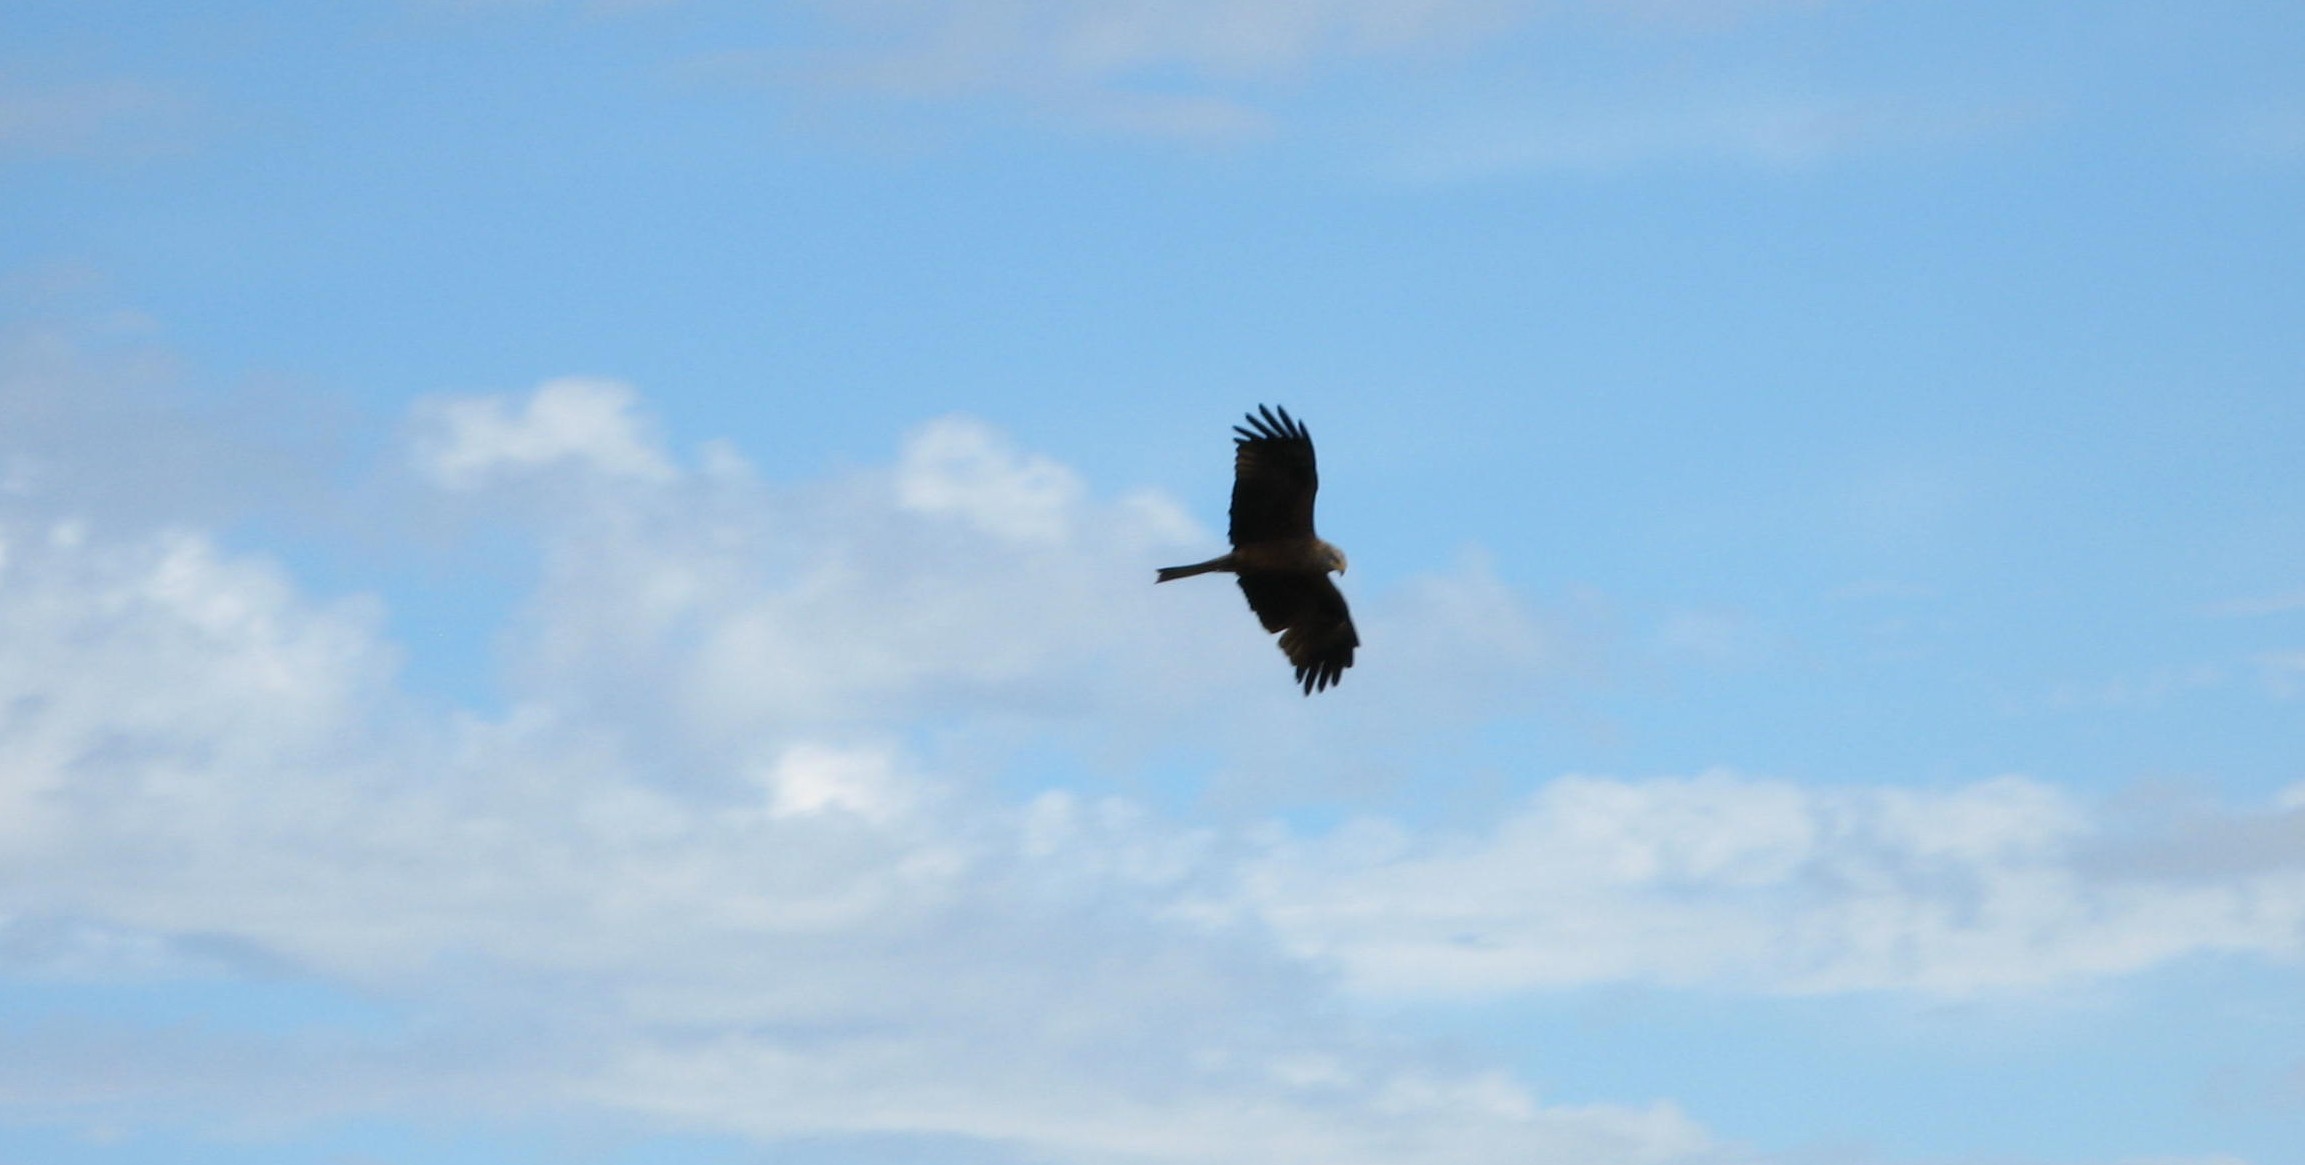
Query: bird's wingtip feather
[{"x": 1272, "y": 423}]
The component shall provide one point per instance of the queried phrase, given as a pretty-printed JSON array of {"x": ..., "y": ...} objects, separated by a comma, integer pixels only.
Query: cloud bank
[
  {"x": 698, "y": 873},
  {"x": 718, "y": 865}
]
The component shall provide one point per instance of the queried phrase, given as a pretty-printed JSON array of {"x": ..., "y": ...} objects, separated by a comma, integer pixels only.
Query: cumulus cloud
[
  {"x": 713, "y": 868},
  {"x": 1762, "y": 885},
  {"x": 702, "y": 607},
  {"x": 697, "y": 873},
  {"x": 466, "y": 441},
  {"x": 956, "y": 466}
]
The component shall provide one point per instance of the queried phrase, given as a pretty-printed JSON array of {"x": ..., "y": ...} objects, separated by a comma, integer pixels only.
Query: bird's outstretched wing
[
  {"x": 1274, "y": 479},
  {"x": 1315, "y": 626}
]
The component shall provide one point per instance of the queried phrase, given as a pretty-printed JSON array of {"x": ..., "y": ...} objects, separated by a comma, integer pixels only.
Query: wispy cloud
[
  {"x": 2151, "y": 689},
  {"x": 1200, "y": 70},
  {"x": 1579, "y": 135},
  {"x": 112, "y": 119},
  {"x": 2253, "y": 605},
  {"x": 2269, "y": 134},
  {"x": 1027, "y": 44},
  {"x": 2283, "y": 673}
]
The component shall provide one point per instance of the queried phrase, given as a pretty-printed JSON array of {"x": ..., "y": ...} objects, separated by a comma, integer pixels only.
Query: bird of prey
[{"x": 1282, "y": 565}]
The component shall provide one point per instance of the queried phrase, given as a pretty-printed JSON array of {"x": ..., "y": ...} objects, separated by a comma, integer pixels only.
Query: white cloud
[
  {"x": 161, "y": 648},
  {"x": 696, "y": 874},
  {"x": 467, "y": 440},
  {"x": 959, "y": 466},
  {"x": 1772, "y": 887},
  {"x": 813, "y": 778},
  {"x": 709, "y": 869},
  {"x": 708, "y": 611},
  {"x": 967, "y": 573}
]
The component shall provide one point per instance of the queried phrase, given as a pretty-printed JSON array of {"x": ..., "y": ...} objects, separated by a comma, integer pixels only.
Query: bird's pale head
[{"x": 1333, "y": 556}]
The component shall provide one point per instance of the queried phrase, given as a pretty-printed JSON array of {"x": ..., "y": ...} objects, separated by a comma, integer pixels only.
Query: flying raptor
[{"x": 1283, "y": 567}]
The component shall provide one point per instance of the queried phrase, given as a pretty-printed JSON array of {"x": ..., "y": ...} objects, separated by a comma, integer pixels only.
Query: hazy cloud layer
[
  {"x": 1215, "y": 71},
  {"x": 709, "y": 870},
  {"x": 1408, "y": 91}
]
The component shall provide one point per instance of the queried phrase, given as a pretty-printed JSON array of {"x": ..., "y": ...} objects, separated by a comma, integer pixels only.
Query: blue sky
[{"x": 575, "y": 582}]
